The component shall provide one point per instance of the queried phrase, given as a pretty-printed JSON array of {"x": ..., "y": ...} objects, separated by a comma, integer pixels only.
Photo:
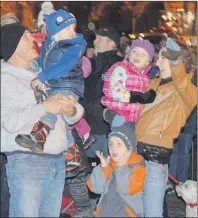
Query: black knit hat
[{"x": 10, "y": 36}]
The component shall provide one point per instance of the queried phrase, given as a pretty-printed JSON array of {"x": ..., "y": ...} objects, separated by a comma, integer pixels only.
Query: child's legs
[
  {"x": 154, "y": 189},
  {"x": 82, "y": 127},
  {"x": 70, "y": 139},
  {"x": 65, "y": 92},
  {"x": 118, "y": 121},
  {"x": 49, "y": 119}
]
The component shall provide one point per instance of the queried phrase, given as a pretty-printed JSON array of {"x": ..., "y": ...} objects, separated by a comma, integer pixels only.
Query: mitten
[{"x": 139, "y": 97}]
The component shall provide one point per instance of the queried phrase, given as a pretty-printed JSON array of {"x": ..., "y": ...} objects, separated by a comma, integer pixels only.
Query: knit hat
[
  {"x": 146, "y": 45},
  {"x": 10, "y": 36},
  {"x": 173, "y": 50},
  {"x": 46, "y": 8},
  {"x": 121, "y": 129},
  {"x": 58, "y": 20}
]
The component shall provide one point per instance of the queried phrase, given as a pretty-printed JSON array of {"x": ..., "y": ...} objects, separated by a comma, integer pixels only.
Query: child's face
[
  {"x": 139, "y": 58},
  {"x": 67, "y": 33},
  {"x": 70, "y": 31},
  {"x": 117, "y": 148}
]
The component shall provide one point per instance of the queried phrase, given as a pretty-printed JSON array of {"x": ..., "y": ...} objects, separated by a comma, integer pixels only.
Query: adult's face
[
  {"x": 163, "y": 64},
  {"x": 102, "y": 44},
  {"x": 27, "y": 49}
]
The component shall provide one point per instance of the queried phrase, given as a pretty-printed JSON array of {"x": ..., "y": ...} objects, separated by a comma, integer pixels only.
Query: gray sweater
[{"x": 19, "y": 112}]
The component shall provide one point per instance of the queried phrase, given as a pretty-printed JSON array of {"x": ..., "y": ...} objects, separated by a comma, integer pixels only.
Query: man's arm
[{"x": 183, "y": 84}]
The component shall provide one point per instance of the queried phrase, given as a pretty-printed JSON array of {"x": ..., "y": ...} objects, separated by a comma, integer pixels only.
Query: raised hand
[{"x": 103, "y": 160}]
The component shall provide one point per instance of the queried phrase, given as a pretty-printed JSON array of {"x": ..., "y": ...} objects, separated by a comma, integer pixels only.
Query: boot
[
  {"x": 88, "y": 142},
  {"x": 108, "y": 115},
  {"x": 37, "y": 138},
  {"x": 73, "y": 161}
]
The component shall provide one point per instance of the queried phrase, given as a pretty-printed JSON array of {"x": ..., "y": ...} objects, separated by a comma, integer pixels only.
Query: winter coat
[
  {"x": 121, "y": 78},
  {"x": 61, "y": 64},
  {"x": 161, "y": 121},
  {"x": 94, "y": 91},
  {"x": 120, "y": 188}
]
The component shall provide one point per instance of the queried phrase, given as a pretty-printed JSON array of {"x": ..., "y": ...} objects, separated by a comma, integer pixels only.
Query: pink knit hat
[
  {"x": 86, "y": 66},
  {"x": 145, "y": 44}
]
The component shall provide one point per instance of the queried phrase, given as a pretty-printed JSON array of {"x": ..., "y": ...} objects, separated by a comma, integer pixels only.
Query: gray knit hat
[
  {"x": 126, "y": 133},
  {"x": 121, "y": 129}
]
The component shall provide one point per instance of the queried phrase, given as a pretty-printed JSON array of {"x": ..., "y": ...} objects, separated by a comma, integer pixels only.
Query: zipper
[{"x": 51, "y": 46}]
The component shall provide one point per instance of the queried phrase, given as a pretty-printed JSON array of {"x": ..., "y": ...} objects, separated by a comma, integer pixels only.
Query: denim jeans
[
  {"x": 154, "y": 189},
  {"x": 180, "y": 157},
  {"x": 100, "y": 144},
  {"x": 4, "y": 203},
  {"x": 36, "y": 185},
  {"x": 179, "y": 161}
]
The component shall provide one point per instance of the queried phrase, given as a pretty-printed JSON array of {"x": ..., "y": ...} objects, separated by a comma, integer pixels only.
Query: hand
[
  {"x": 35, "y": 83},
  {"x": 103, "y": 160},
  {"x": 123, "y": 160},
  {"x": 52, "y": 105},
  {"x": 68, "y": 104}
]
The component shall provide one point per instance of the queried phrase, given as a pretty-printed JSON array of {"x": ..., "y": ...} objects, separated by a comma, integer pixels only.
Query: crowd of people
[{"x": 65, "y": 103}]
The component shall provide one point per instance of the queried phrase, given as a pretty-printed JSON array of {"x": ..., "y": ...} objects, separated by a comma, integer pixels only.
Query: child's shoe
[
  {"x": 37, "y": 138},
  {"x": 73, "y": 161},
  {"x": 87, "y": 142},
  {"x": 108, "y": 115}
]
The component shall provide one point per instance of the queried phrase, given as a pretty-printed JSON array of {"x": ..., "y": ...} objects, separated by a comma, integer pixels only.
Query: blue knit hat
[{"x": 58, "y": 20}]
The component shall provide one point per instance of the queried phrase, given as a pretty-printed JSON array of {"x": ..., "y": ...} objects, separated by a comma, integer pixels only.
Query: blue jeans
[
  {"x": 154, "y": 189},
  {"x": 36, "y": 185},
  {"x": 100, "y": 144},
  {"x": 179, "y": 161}
]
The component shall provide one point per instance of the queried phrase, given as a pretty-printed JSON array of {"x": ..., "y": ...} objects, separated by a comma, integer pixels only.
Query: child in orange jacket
[{"x": 120, "y": 177}]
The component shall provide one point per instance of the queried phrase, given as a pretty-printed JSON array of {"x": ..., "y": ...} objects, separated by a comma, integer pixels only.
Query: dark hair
[{"x": 186, "y": 58}]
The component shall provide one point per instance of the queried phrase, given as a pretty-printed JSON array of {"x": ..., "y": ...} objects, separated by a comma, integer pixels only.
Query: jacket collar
[
  {"x": 133, "y": 159},
  {"x": 106, "y": 54}
]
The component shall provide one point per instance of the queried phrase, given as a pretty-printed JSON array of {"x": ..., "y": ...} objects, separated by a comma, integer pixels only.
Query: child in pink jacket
[{"x": 126, "y": 84}]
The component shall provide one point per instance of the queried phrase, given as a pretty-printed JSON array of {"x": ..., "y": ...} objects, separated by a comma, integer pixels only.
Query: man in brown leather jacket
[{"x": 161, "y": 121}]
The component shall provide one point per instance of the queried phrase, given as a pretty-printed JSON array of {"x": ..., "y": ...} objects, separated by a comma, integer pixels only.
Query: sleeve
[
  {"x": 13, "y": 117},
  {"x": 131, "y": 181},
  {"x": 183, "y": 84},
  {"x": 98, "y": 179},
  {"x": 79, "y": 114},
  {"x": 112, "y": 92},
  {"x": 118, "y": 89},
  {"x": 64, "y": 66}
]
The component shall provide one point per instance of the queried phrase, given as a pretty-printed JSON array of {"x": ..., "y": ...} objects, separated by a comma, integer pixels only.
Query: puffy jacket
[
  {"x": 61, "y": 64},
  {"x": 160, "y": 122},
  {"x": 94, "y": 91},
  {"x": 120, "y": 188}
]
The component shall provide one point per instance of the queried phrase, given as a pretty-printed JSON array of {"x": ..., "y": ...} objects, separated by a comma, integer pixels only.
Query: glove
[{"x": 139, "y": 97}]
